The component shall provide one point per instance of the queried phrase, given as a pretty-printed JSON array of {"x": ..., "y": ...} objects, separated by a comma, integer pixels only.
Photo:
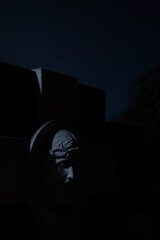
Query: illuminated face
[{"x": 64, "y": 150}]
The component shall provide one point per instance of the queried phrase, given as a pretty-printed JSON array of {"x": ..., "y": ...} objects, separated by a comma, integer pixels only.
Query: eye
[{"x": 62, "y": 165}]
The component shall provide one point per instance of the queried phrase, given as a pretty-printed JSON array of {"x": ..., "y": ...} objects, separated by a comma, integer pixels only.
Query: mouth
[{"x": 68, "y": 184}]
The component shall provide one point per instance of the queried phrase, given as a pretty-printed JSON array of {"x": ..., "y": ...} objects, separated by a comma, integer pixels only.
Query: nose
[{"x": 70, "y": 173}]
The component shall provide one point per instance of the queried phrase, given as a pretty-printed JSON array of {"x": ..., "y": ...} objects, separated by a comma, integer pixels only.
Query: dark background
[{"x": 104, "y": 44}]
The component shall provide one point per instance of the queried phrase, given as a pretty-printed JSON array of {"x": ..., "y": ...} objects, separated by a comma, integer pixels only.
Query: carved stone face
[
  {"x": 64, "y": 151},
  {"x": 57, "y": 169}
]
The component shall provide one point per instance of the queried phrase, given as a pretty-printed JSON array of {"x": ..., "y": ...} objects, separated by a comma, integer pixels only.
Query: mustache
[{"x": 69, "y": 183}]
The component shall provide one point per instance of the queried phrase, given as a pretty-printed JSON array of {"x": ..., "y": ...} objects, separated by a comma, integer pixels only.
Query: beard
[{"x": 65, "y": 193}]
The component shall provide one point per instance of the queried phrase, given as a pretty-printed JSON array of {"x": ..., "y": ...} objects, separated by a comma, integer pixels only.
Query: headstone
[
  {"x": 58, "y": 96},
  {"x": 91, "y": 109},
  {"x": 13, "y": 162},
  {"x": 19, "y": 93}
]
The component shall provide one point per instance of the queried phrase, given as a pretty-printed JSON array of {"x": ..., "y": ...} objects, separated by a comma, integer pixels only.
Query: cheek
[{"x": 61, "y": 172}]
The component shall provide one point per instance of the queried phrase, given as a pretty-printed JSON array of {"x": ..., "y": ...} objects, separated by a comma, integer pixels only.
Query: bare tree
[{"x": 143, "y": 108}]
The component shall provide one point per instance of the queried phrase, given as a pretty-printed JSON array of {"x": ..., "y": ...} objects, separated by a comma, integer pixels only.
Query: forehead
[
  {"x": 65, "y": 160},
  {"x": 63, "y": 138},
  {"x": 66, "y": 156}
]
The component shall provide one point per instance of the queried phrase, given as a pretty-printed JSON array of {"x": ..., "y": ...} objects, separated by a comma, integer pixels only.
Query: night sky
[{"x": 103, "y": 44}]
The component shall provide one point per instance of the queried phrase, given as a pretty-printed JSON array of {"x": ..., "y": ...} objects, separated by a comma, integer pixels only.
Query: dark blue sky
[{"x": 104, "y": 44}]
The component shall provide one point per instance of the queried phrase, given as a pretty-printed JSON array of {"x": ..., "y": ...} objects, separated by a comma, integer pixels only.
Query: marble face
[{"x": 64, "y": 152}]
